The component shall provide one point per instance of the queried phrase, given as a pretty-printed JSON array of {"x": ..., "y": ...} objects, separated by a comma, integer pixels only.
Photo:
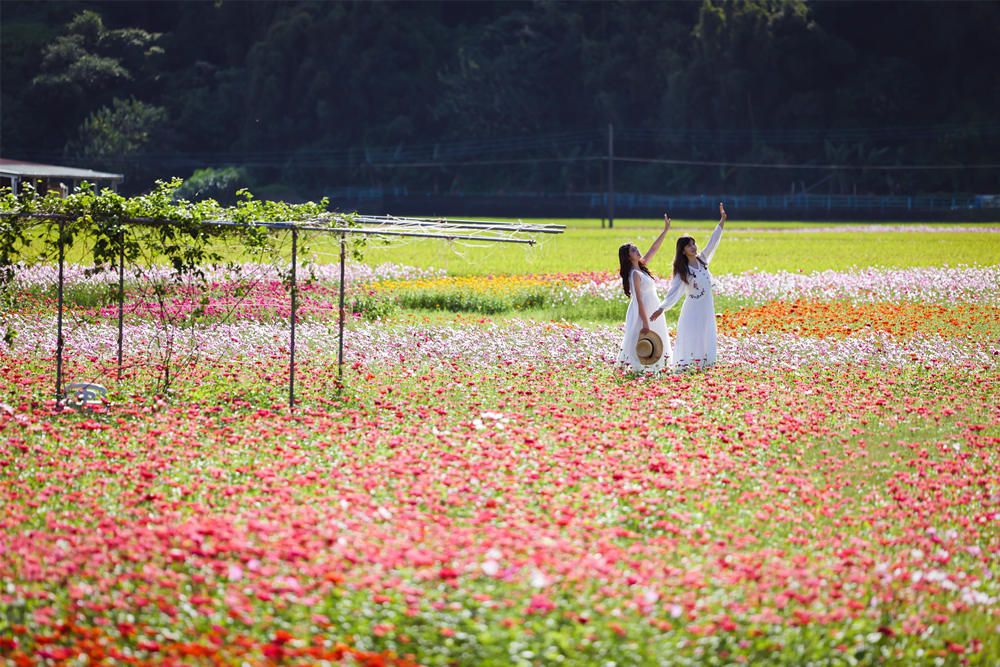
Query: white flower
[{"x": 538, "y": 580}]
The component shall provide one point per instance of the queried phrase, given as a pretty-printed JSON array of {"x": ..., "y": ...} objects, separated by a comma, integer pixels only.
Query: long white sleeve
[
  {"x": 713, "y": 243},
  {"x": 674, "y": 293}
]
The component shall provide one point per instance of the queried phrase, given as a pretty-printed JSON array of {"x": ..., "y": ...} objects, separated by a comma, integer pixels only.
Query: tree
[
  {"x": 87, "y": 66},
  {"x": 115, "y": 134},
  {"x": 517, "y": 74},
  {"x": 218, "y": 184},
  {"x": 307, "y": 94}
]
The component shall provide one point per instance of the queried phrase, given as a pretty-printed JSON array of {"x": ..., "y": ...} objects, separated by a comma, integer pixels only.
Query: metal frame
[{"x": 442, "y": 229}]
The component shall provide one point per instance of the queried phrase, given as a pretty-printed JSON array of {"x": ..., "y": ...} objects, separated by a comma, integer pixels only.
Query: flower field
[{"x": 493, "y": 491}]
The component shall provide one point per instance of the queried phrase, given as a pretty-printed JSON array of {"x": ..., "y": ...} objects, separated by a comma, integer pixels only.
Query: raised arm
[
  {"x": 659, "y": 239},
  {"x": 713, "y": 242},
  {"x": 637, "y": 290},
  {"x": 674, "y": 294}
]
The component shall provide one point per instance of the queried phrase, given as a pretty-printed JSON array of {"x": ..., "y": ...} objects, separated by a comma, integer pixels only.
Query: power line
[
  {"x": 825, "y": 167},
  {"x": 431, "y": 164},
  {"x": 811, "y": 135},
  {"x": 476, "y": 163},
  {"x": 317, "y": 162}
]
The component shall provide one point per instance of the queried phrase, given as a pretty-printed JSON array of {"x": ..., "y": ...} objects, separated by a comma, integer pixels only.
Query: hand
[
  {"x": 666, "y": 222},
  {"x": 722, "y": 214},
  {"x": 656, "y": 313},
  {"x": 645, "y": 329}
]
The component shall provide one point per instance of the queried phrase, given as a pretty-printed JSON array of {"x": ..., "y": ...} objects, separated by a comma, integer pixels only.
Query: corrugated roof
[{"x": 22, "y": 169}]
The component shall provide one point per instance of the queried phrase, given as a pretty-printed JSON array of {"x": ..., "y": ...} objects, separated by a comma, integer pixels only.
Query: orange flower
[{"x": 824, "y": 319}]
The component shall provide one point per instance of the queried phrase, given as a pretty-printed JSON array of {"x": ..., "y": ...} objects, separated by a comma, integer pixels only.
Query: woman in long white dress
[
  {"x": 695, "y": 345},
  {"x": 638, "y": 285}
]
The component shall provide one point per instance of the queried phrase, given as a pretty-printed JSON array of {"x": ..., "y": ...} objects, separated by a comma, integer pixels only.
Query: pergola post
[
  {"x": 435, "y": 228},
  {"x": 340, "y": 336},
  {"x": 295, "y": 289},
  {"x": 121, "y": 299},
  {"x": 59, "y": 317}
]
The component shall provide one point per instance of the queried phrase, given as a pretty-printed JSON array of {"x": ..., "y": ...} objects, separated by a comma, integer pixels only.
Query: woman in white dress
[
  {"x": 695, "y": 345},
  {"x": 637, "y": 283}
]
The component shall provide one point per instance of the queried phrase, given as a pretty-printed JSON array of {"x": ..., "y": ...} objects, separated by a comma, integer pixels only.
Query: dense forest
[{"x": 296, "y": 99}]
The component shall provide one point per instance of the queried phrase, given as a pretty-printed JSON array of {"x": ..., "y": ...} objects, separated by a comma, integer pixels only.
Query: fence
[{"x": 595, "y": 204}]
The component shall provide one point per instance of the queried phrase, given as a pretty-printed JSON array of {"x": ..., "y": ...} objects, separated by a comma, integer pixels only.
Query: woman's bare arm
[{"x": 659, "y": 240}]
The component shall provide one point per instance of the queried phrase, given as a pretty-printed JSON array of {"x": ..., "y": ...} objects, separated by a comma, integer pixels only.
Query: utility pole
[{"x": 611, "y": 176}]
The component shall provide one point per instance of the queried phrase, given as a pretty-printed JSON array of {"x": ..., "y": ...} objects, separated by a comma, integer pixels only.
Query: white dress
[
  {"x": 696, "y": 334},
  {"x": 633, "y": 326}
]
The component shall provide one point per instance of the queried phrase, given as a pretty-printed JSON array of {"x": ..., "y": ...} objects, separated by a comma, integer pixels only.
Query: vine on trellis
[{"x": 156, "y": 228}]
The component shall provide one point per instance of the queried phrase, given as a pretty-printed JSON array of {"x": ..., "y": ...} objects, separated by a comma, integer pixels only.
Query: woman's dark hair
[
  {"x": 681, "y": 267},
  {"x": 626, "y": 267}
]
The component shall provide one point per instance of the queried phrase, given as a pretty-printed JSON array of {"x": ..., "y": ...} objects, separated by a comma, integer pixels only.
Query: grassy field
[{"x": 747, "y": 246}]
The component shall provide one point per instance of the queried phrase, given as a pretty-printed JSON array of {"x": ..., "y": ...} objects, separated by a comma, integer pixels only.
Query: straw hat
[{"x": 649, "y": 348}]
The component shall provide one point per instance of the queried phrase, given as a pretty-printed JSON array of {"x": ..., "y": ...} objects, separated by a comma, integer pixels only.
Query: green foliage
[
  {"x": 71, "y": 58},
  {"x": 748, "y": 81},
  {"x": 143, "y": 232},
  {"x": 159, "y": 226},
  {"x": 453, "y": 300},
  {"x": 458, "y": 300},
  {"x": 373, "y": 306},
  {"x": 219, "y": 184},
  {"x": 116, "y": 132},
  {"x": 13, "y": 241},
  {"x": 89, "y": 65}
]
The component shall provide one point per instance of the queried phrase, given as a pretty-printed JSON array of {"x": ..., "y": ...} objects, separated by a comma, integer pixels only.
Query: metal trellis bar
[{"x": 443, "y": 226}]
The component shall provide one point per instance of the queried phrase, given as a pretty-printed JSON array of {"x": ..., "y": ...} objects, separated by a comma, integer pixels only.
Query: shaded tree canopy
[{"x": 309, "y": 96}]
